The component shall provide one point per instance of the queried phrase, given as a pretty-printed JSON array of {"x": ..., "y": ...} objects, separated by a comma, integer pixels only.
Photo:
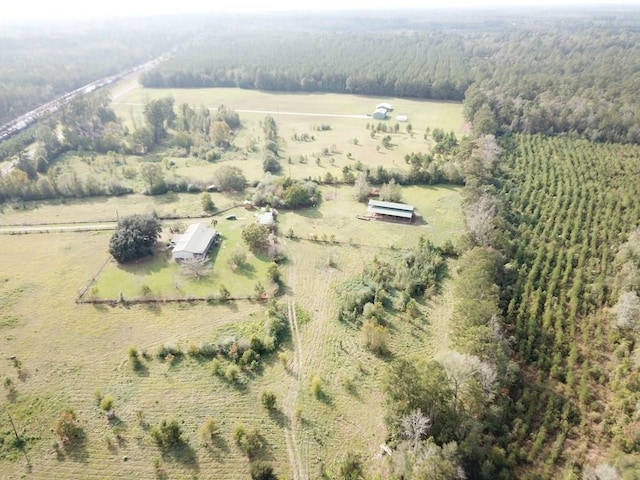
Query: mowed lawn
[{"x": 163, "y": 278}]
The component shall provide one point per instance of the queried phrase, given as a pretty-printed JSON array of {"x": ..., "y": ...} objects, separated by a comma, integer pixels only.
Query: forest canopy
[{"x": 569, "y": 72}]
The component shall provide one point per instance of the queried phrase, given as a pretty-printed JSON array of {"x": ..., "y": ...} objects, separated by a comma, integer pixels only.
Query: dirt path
[
  {"x": 84, "y": 227},
  {"x": 290, "y": 401},
  {"x": 272, "y": 112},
  {"x": 440, "y": 313}
]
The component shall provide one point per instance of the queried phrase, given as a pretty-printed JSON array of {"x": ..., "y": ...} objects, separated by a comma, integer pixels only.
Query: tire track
[{"x": 291, "y": 399}]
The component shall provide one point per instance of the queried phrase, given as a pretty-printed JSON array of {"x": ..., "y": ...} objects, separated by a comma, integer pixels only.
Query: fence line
[{"x": 88, "y": 285}]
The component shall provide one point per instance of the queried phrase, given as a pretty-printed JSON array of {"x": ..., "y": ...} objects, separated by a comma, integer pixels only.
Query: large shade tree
[{"x": 134, "y": 237}]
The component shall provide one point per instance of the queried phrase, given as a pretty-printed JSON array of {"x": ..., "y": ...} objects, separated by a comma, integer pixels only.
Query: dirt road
[{"x": 275, "y": 112}]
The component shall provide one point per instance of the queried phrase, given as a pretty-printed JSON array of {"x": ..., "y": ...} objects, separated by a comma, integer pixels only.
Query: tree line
[
  {"x": 571, "y": 73},
  {"x": 41, "y": 63}
]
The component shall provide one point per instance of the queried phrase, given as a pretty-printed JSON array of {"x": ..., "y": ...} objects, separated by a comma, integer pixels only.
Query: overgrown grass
[{"x": 68, "y": 351}]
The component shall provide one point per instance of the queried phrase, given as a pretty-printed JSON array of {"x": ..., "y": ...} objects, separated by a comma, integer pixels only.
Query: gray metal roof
[
  {"x": 393, "y": 205},
  {"x": 391, "y": 212},
  {"x": 197, "y": 239}
]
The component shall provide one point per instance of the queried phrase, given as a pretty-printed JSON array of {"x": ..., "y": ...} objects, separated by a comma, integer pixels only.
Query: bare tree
[
  {"x": 473, "y": 380},
  {"x": 361, "y": 188},
  {"x": 196, "y": 267},
  {"x": 415, "y": 428},
  {"x": 628, "y": 310},
  {"x": 480, "y": 218},
  {"x": 488, "y": 151}
]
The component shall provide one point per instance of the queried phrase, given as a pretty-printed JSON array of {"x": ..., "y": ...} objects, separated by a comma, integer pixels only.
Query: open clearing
[
  {"x": 346, "y": 143},
  {"x": 68, "y": 351}
]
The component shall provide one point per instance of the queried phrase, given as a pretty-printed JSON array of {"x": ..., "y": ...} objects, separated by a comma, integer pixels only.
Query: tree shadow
[
  {"x": 280, "y": 418},
  {"x": 153, "y": 307},
  {"x": 325, "y": 398},
  {"x": 231, "y": 305},
  {"x": 182, "y": 453},
  {"x": 218, "y": 449},
  {"x": 76, "y": 450},
  {"x": 310, "y": 213},
  {"x": 246, "y": 270},
  {"x": 101, "y": 307},
  {"x": 12, "y": 394},
  {"x": 141, "y": 370}
]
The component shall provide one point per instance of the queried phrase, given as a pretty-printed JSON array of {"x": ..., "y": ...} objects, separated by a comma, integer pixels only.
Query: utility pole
[
  {"x": 19, "y": 441},
  {"x": 14, "y": 427}
]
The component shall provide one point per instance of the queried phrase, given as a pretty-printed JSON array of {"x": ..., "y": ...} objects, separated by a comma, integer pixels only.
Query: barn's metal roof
[
  {"x": 393, "y": 205},
  {"x": 197, "y": 239},
  {"x": 393, "y": 209}
]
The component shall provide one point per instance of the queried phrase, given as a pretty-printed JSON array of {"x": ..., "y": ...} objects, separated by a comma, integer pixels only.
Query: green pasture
[
  {"x": 345, "y": 144},
  {"x": 66, "y": 352},
  {"x": 438, "y": 206}
]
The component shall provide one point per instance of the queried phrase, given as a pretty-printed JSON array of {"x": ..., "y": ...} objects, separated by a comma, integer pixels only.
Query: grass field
[
  {"x": 65, "y": 352},
  {"x": 300, "y": 113}
]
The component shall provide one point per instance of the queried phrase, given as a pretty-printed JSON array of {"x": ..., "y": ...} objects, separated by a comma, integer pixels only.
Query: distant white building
[
  {"x": 195, "y": 242},
  {"x": 402, "y": 118},
  {"x": 380, "y": 114},
  {"x": 266, "y": 219},
  {"x": 387, "y": 106}
]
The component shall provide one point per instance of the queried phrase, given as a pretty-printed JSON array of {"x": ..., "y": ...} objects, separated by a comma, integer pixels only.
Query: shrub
[
  {"x": 107, "y": 402},
  {"x": 207, "y": 203},
  {"x": 134, "y": 358},
  {"x": 250, "y": 442},
  {"x": 268, "y": 400},
  {"x": 224, "y": 292},
  {"x": 284, "y": 358},
  {"x": 229, "y": 178},
  {"x": 316, "y": 386},
  {"x": 350, "y": 467},
  {"x": 232, "y": 373},
  {"x": 375, "y": 337},
  {"x": 274, "y": 274},
  {"x": 216, "y": 366},
  {"x": 168, "y": 349},
  {"x": 238, "y": 258},
  {"x": 167, "y": 434},
  {"x": 250, "y": 358},
  {"x": 66, "y": 427},
  {"x": 209, "y": 430}
]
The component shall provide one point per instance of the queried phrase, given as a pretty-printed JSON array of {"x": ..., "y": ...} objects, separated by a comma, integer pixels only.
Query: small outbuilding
[
  {"x": 402, "y": 118},
  {"x": 380, "y": 114},
  {"x": 391, "y": 211},
  {"x": 195, "y": 242},
  {"x": 387, "y": 106}
]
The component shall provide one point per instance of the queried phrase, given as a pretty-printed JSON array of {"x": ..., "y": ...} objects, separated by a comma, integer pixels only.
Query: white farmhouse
[{"x": 195, "y": 242}]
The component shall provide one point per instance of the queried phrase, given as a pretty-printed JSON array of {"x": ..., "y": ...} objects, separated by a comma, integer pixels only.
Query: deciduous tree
[
  {"x": 256, "y": 236},
  {"x": 229, "y": 178},
  {"x": 134, "y": 237}
]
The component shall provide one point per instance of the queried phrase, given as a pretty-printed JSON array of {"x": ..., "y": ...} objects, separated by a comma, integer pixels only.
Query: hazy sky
[{"x": 59, "y": 9}]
